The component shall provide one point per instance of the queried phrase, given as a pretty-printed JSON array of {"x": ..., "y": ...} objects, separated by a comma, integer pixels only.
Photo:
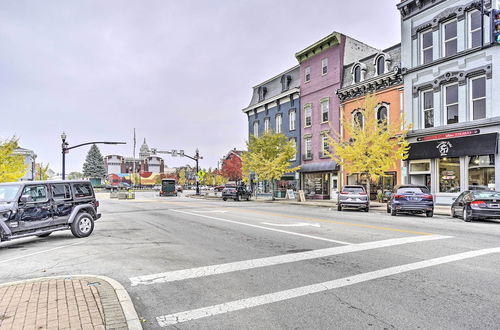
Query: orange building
[{"x": 378, "y": 74}]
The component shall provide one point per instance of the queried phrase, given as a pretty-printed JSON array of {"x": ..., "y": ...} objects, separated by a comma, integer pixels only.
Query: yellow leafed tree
[
  {"x": 268, "y": 156},
  {"x": 370, "y": 146},
  {"x": 12, "y": 166}
]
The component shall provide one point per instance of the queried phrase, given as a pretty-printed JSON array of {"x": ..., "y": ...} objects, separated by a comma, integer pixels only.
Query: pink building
[{"x": 321, "y": 72}]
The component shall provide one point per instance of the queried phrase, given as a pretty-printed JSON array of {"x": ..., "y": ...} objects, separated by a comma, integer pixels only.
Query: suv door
[
  {"x": 63, "y": 203},
  {"x": 36, "y": 213}
]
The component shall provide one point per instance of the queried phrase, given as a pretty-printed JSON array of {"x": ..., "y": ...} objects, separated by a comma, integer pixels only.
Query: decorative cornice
[
  {"x": 371, "y": 85},
  {"x": 453, "y": 76},
  {"x": 272, "y": 99},
  {"x": 410, "y": 8},
  {"x": 318, "y": 47}
]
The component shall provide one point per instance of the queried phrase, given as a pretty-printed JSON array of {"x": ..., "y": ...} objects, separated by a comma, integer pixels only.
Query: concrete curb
[{"x": 133, "y": 321}]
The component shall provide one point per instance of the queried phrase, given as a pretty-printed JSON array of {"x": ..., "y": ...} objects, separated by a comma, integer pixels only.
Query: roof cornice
[
  {"x": 319, "y": 46},
  {"x": 272, "y": 99}
]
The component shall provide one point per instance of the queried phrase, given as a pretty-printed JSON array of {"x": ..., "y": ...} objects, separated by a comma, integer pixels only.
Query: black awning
[
  {"x": 319, "y": 167},
  {"x": 483, "y": 144}
]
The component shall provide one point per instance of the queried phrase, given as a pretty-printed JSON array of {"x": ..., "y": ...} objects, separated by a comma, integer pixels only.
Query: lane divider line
[
  {"x": 265, "y": 299},
  {"x": 262, "y": 227},
  {"x": 39, "y": 252},
  {"x": 179, "y": 275}
]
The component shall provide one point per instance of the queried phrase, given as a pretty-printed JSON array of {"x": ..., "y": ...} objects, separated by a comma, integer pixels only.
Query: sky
[{"x": 179, "y": 72}]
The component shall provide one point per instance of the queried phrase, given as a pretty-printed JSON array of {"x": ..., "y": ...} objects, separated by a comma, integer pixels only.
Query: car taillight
[
  {"x": 96, "y": 203},
  {"x": 398, "y": 196},
  {"x": 362, "y": 193},
  {"x": 429, "y": 197},
  {"x": 161, "y": 191},
  {"x": 478, "y": 203},
  {"x": 344, "y": 193}
]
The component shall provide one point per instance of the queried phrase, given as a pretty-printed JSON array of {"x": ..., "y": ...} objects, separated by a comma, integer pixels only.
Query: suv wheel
[
  {"x": 367, "y": 209},
  {"x": 467, "y": 217},
  {"x": 429, "y": 214},
  {"x": 339, "y": 207},
  {"x": 83, "y": 225},
  {"x": 224, "y": 199},
  {"x": 394, "y": 212},
  {"x": 388, "y": 209}
]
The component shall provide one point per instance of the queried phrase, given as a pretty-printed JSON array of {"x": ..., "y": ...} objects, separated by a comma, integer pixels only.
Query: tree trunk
[
  {"x": 272, "y": 190},
  {"x": 368, "y": 184}
]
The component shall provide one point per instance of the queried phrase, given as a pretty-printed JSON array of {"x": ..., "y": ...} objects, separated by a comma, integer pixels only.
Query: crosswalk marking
[
  {"x": 236, "y": 305},
  {"x": 262, "y": 227},
  {"x": 275, "y": 260}
]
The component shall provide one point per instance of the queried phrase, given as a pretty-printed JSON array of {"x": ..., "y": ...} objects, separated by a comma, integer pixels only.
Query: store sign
[
  {"x": 449, "y": 135},
  {"x": 483, "y": 144}
]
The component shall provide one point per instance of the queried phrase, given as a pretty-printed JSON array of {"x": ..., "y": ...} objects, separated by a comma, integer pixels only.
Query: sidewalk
[
  {"x": 374, "y": 206},
  {"x": 70, "y": 302}
]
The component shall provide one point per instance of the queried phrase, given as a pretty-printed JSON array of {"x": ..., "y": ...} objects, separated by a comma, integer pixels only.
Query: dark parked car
[
  {"x": 236, "y": 193},
  {"x": 477, "y": 204},
  {"x": 410, "y": 198},
  {"x": 42, "y": 207},
  {"x": 354, "y": 197},
  {"x": 219, "y": 188}
]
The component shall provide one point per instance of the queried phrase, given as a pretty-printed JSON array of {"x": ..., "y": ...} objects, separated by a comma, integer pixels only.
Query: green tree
[
  {"x": 94, "y": 164},
  {"x": 182, "y": 176},
  {"x": 12, "y": 166},
  {"x": 75, "y": 176},
  {"x": 371, "y": 147},
  {"x": 42, "y": 172},
  {"x": 268, "y": 157}
]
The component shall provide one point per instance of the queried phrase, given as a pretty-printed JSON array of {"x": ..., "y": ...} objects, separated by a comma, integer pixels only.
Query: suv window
[
  {"x": 353, "y": 189},
  {"x": 37, "y": 193},
  {"x": 61, "y": 191},
  {"x": 82, "y": 190},
  {"x": 412, "y": 190}
]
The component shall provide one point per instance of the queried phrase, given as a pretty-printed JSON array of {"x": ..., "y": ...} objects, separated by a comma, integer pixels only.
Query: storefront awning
[
  {"x": 483, "y": 144},
  {"x": 318, "y": 167}
]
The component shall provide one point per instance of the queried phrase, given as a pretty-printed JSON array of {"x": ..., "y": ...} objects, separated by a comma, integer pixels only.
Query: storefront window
[
  {"x": 482, "y": 172},
  {"x": 420, "y": 167},
  {"x": 316, "y": 185},
  {"x": 449, "y": 175}
]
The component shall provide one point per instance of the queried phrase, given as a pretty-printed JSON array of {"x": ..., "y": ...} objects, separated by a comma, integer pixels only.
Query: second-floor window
[
  {"x": 325, "y": 109},
  {"x": 451, "y": 103},
  {"x": 358, "y": 119},
  {"x": 307, "y": 74},
  {"x": 382, "y": 115},
  {"x": 292, "y": 120},
  {"x": 478, "y": 98},
  {"x": 428, "y": 108},
  {"x": 256, "y": 129},
  {"x": 307, "y": 115},
  {"x": 279, "y": 123},
  {"x": 426, "y": 47},
  {"x": 267, "y": 125},
  {"x": 324, "y": 66},
  {"x": 294, "y": 144},
  {"x": 307, "y": 148},
  {"x": 325, "y": 146},
  {"x": 474, "y": 28},
  {"x": 450, "y": 40}
]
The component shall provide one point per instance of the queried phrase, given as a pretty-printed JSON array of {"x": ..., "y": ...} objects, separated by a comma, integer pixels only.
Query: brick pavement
[{"x": 60, "y": 303}]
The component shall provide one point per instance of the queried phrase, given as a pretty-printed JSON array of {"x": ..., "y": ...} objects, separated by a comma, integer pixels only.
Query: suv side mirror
[{"x": 26, "y": 199}]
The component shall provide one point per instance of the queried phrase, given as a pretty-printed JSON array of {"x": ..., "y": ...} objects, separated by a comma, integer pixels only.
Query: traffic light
[{"x": 495, "y": 26}]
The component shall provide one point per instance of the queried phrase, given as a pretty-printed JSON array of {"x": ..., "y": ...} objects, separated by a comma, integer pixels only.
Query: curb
[{"x": 131, "y": 317}]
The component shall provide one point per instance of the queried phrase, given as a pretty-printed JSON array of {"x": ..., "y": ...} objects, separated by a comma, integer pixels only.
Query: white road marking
[
  {"x": 184, "y": 274},
  {"x": 311, "y": 289},
  {"x": 39, "y": 252},
  {"x": 266, "y": 228},
  {"x": 300, "y": 224},
  {"x": 212, "y": 211}
]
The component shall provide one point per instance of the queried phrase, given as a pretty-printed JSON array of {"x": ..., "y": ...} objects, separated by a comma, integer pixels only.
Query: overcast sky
[{"x": 178, "y": 71}]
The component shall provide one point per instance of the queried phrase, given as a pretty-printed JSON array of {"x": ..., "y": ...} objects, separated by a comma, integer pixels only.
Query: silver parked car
[{"x": 355, "y": 197}]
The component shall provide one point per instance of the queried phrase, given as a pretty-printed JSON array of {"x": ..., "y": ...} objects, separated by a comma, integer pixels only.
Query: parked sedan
[
  {"x": 354, "y": 197},
  {"x": 477, "y": 204},
  {"x": 236, "y": 193},
  {"x": 411, "y": 198}
]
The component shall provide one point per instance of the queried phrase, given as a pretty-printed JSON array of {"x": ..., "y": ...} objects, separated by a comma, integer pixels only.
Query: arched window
[
  {"x": 357, "y": 74},
  {"x": 380, "y": 65},
  {"x": 382, "y": 114},
  {"x": 358, "y": 119}
]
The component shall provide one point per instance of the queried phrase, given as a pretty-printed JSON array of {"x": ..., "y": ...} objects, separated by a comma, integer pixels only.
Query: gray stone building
[{"x": 451, "y": 80}]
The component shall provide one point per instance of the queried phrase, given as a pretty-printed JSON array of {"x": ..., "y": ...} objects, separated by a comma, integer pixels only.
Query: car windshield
[
  {"x": 8, "y": 192},
  {"x": 353, "y": 189},
  {"x": 413, "y": 190},
  {"x": 486, "y": 194}
]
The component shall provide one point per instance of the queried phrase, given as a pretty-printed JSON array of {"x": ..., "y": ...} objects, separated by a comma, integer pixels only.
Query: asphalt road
[{"x": 205, "y": 264}]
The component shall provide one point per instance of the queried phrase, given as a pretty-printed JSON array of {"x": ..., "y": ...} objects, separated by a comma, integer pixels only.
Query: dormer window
[
  {"x": 357, "y": 74},
  {"x": 262, "y": 93},
  {"x": 380, "y": 65},
  {"x": 286, "y": 80}
]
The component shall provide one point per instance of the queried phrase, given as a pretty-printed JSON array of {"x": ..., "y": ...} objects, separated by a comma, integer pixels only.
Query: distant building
[
  {"x": 29, "y": 161},
  {"x": 117, "y": 164}
]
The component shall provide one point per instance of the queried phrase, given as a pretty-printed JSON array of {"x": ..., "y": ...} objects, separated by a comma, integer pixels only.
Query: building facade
[
  {"x": 30, "y": 163},
  {"x": 451, "y": 77},
  {"x": 275, "y": 106},
  {"x": 378, "y": 75},
  {"x": 117, "y": 164},
  {"x": 321, "y": 72}
]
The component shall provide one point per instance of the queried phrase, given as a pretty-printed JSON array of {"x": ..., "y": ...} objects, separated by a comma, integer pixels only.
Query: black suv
[
  {"x": 236, "y": 193},
  {"x": 42, "y": 207}
]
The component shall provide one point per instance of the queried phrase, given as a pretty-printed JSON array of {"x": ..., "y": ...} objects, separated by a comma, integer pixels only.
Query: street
[{"x": 208, "y": 264}]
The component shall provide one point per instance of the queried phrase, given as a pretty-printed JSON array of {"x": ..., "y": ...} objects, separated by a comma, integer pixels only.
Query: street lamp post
[{"x": 65, "y": 149}]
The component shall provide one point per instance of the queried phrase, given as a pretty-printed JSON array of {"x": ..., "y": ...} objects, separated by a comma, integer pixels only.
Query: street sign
[
  {"x": 201, "y": 174},
  {"x": 174, "y": 153},
  {"x": 181, "y": 153}
]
